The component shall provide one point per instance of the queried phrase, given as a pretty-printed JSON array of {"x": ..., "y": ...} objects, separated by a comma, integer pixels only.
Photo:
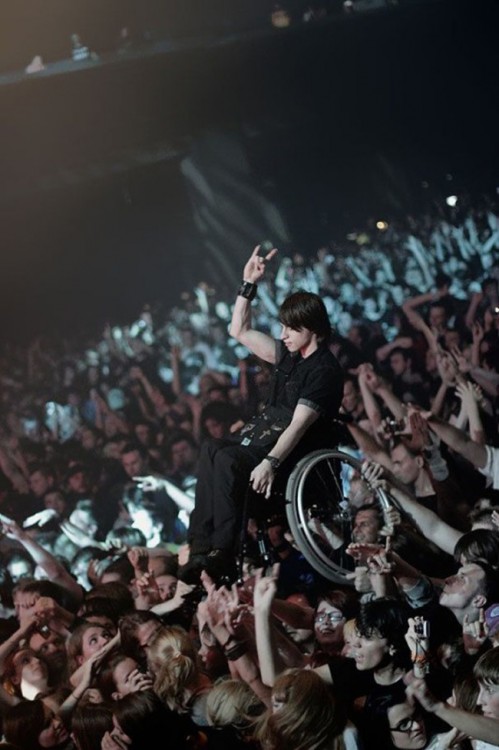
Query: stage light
[
  {"x": 382, "y": 226},
  {"x": 451, "y": 200}
]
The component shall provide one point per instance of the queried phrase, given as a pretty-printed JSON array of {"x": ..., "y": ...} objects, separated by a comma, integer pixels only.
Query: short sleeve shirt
[
  {"x": 315, "y": 381},
  {"x": 491, "y": 468}
]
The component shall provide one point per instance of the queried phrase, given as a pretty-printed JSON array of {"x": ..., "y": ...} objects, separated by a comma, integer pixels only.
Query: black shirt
[{"x": 315, "y": 381}]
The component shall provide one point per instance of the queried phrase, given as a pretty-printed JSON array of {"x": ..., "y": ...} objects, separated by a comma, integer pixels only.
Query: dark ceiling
[{"x": 340, "y": 120}]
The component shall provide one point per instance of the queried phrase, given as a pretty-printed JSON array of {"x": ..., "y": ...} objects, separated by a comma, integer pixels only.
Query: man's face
[
  {"x": 52, "y": 649},
  {"x": 366, "y": 527},
  {"x": 55, "y": 501},
  {"x": 39, "y": 484},
  {"x": 167, "y": 586},
  {"x": 461, "y": 589},
  {"x": 405, "y": 466},
  {"x": 183, "y": 455},
  {"x": 78, "y": 483},
  {"x": 297, "y": 341},
  {"x": 19, "y": 569},
  {"x": 370, "y": 653},
  {"x": 88, "y": 440},
  {"x": 143, "y": 434},
  {"x": 214, "y": 427},
  {"x": 133, "y": 463},
  {"x": 437, "y": 318},
  {"x": 398, "y": 363},
  {"x": 350, "y": 397},
  {"x": 452, "y": 338}
]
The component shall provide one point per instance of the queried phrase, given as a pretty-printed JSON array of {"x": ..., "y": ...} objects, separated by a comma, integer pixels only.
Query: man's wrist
[
  {"x": 273, "y": 461},
  {"x": 247, "y": 290}
]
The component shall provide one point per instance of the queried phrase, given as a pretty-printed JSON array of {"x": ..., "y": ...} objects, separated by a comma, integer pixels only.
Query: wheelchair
[{"x": 318, "y": 511}]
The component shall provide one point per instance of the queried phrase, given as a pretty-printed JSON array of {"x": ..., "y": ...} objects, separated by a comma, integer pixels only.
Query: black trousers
[{"x": 223, "y": 477}]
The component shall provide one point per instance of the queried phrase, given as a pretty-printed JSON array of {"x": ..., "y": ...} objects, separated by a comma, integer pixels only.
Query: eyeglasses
[
  {"x": 407, "y": 725},
  {"x": 329, "y": 617}
]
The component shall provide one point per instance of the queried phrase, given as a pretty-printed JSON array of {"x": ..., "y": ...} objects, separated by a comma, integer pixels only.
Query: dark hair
[
  {"x": 491, "y": 583},
  {"x": 374, "y": 507},
  {"x": 89, "y": 723},
  {"x": 144, "y": 717},
  {"x": 45, "y": 588},
  {"x": 105, "y": 678},
  {"x": 180, "y": 436},
  {"x": 488, "y": 281},
  {"x": 23, "y": 723},
  {"x": 484, "y": 515},
  {"x": 135, "y": 446},
  {"x": 122, "y": 566},
  {"x": 466, "y": 691},
  {"x": 479, "y": 546},
  {"x": 406, "y": 353},
  {"x": 127, "y": 535},
  {"x": 128, "y": 632},
  {"x": 114, "y": 591},
  {"x": 487, "y": 667},
  {"x": 45, "y": 470},
  {"x": 386, "y": 618},
  {"x": 346, "y": 601},
  {"x": 306, "y": 310}
]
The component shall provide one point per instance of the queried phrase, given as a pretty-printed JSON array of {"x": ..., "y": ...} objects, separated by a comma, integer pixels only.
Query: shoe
[
  {"x": 221, "y": 567},
  {"x": 191, "y": 571}
]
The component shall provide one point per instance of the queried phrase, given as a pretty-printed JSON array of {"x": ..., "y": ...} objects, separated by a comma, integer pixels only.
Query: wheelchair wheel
[{"x": 318, "y": 511}]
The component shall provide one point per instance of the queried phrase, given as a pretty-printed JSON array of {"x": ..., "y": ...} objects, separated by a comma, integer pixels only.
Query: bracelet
[
  {"x": 273, "y": 461},
  {"x": 229, "y": 639},
  {"x": 247, "y": 290},
  {"x": 235, "y": 652}
]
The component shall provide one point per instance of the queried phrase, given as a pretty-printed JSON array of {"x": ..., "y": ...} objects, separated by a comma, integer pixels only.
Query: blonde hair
[
  {"x": 309, "y": 718},
  {"x": 232, "y": 702},
  {"x": 175, "y": 663}
]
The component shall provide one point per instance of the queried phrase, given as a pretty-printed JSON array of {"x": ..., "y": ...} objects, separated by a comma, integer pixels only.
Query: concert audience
[{"x": 98, "y": 448}]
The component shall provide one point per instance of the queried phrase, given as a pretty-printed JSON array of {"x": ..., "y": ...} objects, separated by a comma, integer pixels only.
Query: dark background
[{"x": 339, "y": 121}]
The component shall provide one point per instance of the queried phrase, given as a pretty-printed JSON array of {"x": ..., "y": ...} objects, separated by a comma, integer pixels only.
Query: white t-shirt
[{"x": 491, "y": 468}]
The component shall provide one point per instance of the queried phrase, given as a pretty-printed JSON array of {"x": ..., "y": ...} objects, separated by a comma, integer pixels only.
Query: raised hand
[
  {"x": 373, "y": 475},
  {"x": 148, "y": 483},
  {"x": 417, "y": 638},
  {"x": 254, "y": 269},
  {"x": 392, "y": 519},
  {"x": 360, "y": 578},
  {"x": 139, "y": 558},
  {"x": 474, "y": 633},
  {"x": 265, "y": 587},
  {"x": 362, "y": 551}
]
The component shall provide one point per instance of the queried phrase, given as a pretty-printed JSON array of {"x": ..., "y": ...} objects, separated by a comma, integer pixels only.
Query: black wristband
[
  {"x": 273, "y": 461},
  {"x": 247, "y": 290}
]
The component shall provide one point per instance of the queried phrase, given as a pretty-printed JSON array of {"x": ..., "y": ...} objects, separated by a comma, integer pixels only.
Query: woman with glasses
[{"x": 324, "y": 623}]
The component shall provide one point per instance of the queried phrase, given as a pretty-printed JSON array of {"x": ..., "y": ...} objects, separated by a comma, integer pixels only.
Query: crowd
[{"x": 107, "y": 642}]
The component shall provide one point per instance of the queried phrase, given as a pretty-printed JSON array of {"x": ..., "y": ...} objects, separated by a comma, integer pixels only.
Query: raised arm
[
  {"x": 55, "y": 571},
  {"x": 241, "y": 328},
  {"x": 459, "y": 442},
  {"x": 430, "y": 525}
]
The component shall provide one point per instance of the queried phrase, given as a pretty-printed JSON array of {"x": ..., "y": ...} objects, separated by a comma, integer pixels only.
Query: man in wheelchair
[{"x": 305, "y": 395}]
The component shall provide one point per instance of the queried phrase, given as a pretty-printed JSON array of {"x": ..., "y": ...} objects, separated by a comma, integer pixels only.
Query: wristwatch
[{"x": 273, "y": 461}]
